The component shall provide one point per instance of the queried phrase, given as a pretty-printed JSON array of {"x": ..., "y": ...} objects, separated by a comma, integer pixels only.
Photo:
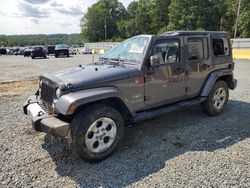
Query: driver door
[{"x": 165, "y": 84}]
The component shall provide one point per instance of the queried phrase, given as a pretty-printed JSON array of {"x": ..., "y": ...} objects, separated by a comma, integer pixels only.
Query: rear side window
[{"x": 221, "y": 47}]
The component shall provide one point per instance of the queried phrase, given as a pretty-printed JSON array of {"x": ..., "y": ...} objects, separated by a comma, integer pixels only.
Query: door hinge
[{"x": 187, "y": 89}]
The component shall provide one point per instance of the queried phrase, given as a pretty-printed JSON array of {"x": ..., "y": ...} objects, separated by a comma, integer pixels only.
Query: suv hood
[{"x": 90, "y": 75}]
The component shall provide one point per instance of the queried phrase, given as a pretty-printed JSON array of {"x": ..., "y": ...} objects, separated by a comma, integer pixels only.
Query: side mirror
[{"x": 154, "y": 61}]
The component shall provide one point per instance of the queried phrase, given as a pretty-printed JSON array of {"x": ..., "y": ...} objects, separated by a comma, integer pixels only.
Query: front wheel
[
  {"x": 217, "y": 99},
  {"x": 96, "y": 132}
]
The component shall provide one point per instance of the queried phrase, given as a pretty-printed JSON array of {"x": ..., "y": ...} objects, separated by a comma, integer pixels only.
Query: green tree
[
  {"x": 145, "y": 16},
  {"x": 159, "y": 14},
  {"x": 93, "y": 22},
  {"x": 192, "y": 15},
  {"x": 244, "y": 20},
  {"x": 128, "y": 26}
]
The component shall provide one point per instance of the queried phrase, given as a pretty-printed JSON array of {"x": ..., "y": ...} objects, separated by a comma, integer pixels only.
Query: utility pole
[
  {"x": 105, "y": 26},
  {"x": 237, "y": 19}
]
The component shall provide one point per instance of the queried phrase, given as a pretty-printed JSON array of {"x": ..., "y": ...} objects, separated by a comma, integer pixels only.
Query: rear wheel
[
  {"x": 96, "y": 132},
  {"x": 217, "y": 99}
]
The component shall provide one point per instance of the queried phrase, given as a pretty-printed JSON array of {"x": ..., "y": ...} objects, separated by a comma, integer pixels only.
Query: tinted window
[
  {"x": 37, "y": 48},
  {"x": 62, "y": 46},
  {"x": 167, "y": 51}
]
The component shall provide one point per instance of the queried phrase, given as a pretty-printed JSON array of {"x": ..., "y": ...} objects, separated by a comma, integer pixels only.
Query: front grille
[{"x": 47, "y": 94}]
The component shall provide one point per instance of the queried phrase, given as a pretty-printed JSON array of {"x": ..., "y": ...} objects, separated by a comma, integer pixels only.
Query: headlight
[{"x": 58, "y": 93}]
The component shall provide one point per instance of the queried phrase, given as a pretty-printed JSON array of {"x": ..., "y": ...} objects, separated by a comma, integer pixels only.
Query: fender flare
[
  {"x": 212, "y": 78},
  {"x": 67, "y": 104}
]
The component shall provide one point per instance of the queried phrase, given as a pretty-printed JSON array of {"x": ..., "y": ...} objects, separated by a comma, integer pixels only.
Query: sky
[{"x": 43, "y": 16}]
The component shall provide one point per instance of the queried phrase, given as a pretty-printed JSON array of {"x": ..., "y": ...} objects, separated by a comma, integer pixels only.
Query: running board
[{"x": 166, "y": 109}]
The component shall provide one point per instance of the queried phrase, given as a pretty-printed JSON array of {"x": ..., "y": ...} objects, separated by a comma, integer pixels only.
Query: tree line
[
  {"x": 109, "y": 20},
  {"x": 26, "y": 40}
]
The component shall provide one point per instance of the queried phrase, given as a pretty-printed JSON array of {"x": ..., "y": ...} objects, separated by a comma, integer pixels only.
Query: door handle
[{"x": 205, "y": 66}]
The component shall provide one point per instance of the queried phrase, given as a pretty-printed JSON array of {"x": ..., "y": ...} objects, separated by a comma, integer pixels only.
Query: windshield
[
  {"x": 131, "y": 50},
  {"x": 61, "y": 46},
  {"x": 36, "y": 48}
]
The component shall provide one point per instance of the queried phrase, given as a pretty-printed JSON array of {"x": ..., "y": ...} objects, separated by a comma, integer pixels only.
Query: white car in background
[
  {"x": 86, "y": 51},
  {"x": 72, "y": 51}
]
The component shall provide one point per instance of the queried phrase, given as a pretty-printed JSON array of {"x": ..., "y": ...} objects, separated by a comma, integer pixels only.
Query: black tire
[
  {"x": 56, "y": 56},
  {"x": 208, "y": 106},
  {"x": 83, "y": 121}
]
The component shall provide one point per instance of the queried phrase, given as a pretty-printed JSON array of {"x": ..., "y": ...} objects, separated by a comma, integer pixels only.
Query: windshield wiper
[
  {"x": 113, "y": 61},
  {"x": 117, "y": 61}
]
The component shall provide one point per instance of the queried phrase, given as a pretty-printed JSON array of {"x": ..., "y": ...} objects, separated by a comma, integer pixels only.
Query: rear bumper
[
  {"x": 61, "y": 52},
  {"x": 43, "y": 122}
]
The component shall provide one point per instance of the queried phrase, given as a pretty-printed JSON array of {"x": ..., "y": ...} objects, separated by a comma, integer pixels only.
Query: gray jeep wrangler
[{"x": 142, "y": 77}]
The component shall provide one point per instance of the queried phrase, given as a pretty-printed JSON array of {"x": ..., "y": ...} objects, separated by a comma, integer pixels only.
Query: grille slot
[{"x": 47, "y": 94}]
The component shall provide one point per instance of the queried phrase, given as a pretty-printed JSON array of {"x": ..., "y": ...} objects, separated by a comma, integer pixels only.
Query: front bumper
[{"x": 43, "y": 122}]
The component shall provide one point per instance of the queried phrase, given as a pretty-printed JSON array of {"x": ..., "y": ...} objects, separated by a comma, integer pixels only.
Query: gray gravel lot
[
  {"x": 14, "y": 68},
  {"x": 182, "y": 149}
]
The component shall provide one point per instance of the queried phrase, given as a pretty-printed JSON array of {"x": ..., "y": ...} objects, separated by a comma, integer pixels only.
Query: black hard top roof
[{"x": 217, "y": 33}]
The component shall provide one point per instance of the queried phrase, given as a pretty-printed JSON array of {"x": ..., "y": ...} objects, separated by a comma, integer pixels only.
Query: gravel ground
[
  {"x": 181, "y": 149},
  {"x": 13, "y": 68}
]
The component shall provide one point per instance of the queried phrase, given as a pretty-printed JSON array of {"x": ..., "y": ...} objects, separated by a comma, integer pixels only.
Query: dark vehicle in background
[
  {"x": 38, "y": 51},
  {"x": 20, "y": 51},
  {"x": 13, "y": 51},
  {"x": 141, "y": 78},
  {"x": 3, "y": 51},
  {"x": 51, "y": 49},
  {"x": 61, "y": 50},
  {"x": 27, "y": 52}
]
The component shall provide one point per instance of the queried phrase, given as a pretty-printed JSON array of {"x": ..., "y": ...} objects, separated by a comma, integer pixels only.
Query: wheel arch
[
  {"x": 115, "y": 103},
  {"x": 70, "y": 104},
  {"x": 224, "y": 74}
]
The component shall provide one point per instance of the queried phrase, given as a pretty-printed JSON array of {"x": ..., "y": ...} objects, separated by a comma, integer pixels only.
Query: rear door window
[{"x": 195, "y": 49}]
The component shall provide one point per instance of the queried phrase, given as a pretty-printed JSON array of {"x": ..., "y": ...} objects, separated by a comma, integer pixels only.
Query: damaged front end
[{"x": 41, "y": 109}]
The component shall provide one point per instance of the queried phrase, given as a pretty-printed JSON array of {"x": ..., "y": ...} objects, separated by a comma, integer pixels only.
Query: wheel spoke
[
  {"x": 219, "y": 98},
  {"x": 105, "y": 123},
  {"x": 90, "y": 142},
  {"x": 101, "y": 147},
  {"x": 100, "y": 135},
  {"x": 111, "y": 133}
]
